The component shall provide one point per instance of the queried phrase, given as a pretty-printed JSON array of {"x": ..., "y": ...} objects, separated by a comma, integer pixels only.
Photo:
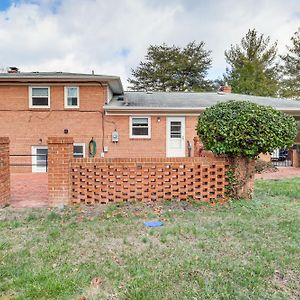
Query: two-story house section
[{"x": 34, "y": 106}]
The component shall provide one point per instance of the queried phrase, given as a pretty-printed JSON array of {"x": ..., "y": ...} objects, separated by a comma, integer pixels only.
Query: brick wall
[
  {"x": 95, "y": 181},
  {"x": 4, "y": 172},
  {"x": 60, "y": 152},
  {"x": 31, "y": 127},
  {"x": 132, "y": 147},
  {"x": 243, "y": 168}
]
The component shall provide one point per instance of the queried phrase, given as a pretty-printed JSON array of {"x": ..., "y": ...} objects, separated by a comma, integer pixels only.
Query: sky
[{"x": 112, "y": 36}]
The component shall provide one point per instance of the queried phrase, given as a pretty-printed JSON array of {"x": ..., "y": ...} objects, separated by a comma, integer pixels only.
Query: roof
[
  {"x": 114, "y": 82},
  {"x": 186, "y": 101}
]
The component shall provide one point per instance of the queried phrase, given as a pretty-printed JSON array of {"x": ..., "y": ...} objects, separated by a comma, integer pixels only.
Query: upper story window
[
  {"x": 140, "y": 127},
  {"x": 39, "y": 97},
  {"x": 71, "y": 97}
]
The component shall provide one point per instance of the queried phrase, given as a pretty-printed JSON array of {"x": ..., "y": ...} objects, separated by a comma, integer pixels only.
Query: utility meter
[{"x": 115, "y": 136}]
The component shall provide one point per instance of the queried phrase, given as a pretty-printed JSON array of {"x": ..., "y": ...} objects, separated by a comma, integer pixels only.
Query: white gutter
[{"x": 126, "y": 109}]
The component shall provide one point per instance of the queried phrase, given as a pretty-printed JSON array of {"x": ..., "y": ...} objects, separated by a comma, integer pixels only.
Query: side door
[{"x": 175, "y": 136}]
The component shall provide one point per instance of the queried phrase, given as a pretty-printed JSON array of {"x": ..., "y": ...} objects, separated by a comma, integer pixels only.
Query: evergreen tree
[
  {"x": 252, "y": 66},
  {"x": 291, "y": 69},
  {"x": 171, "y": 68}
]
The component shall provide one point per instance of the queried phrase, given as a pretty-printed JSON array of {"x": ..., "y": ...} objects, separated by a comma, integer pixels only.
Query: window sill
[
  {"x": 39, "y": 108},
  {"x": 72, "y": 108},
  {"x": 139, "y": 138}
]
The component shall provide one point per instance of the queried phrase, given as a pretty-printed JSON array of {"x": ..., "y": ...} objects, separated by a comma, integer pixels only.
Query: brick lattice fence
[
  {"x": 4, "y": 172},
  {"x": 115, "y": 180},
  {"x": 103, "y": 180}
]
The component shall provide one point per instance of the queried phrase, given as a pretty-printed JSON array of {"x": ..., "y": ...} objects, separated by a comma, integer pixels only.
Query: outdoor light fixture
[{"x": 66, "y": 131}]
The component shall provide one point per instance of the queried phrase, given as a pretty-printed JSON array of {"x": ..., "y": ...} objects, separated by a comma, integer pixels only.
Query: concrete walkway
[
  {"x": 282, "y": 173},
  {"x": 29, "y": 190}
]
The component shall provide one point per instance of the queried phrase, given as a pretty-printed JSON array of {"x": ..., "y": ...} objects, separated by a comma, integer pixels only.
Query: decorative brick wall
[
  {"x": 147, "y": 179},
  {"x": 4, "y": 172},
  {"x": 244, "y": 170},
  {"x": 60, "y": 153}
]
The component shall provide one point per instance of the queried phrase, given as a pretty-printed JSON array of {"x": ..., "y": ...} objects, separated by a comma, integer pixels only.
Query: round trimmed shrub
[{"x": 243, "y": 128}]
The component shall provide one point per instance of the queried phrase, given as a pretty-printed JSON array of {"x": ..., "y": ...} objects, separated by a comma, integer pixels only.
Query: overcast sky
[{"x": 111, "y": 36}]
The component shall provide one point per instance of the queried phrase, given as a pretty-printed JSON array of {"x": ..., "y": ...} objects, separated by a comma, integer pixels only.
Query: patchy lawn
[{"x": 242, "y": 250}]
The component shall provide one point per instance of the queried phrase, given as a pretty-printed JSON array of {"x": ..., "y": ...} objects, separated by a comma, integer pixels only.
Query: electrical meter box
[{"x": 115, "y": 136}]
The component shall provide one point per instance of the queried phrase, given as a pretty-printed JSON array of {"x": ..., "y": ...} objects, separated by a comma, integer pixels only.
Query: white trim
[
  {"x": 162, "y": 111},
  {"x": 181, "y": 151},
  {"x": 35, "y": 168},
  {"x": 109, "y": 94},
  {"x": 30, "y": 96},
  {"x": 155, "y": 114},
  {"x": 66, "y": 97},
  {"x": 83, "y": 148},
  {"x": 140, "y": 136},
  {"x": 128, "y": 108}
]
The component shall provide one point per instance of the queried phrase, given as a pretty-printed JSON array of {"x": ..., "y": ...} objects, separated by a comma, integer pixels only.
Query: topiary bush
[{"x": 243, "y": 128}]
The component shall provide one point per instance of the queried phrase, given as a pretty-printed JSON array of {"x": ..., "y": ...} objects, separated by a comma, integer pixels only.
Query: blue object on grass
[{"x": 153, "y": 224}]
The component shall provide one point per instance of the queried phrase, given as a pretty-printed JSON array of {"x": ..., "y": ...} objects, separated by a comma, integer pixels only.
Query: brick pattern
[
  {"x": 147, "y": 179},
  {"x": 60, "y": 152},
  {"x": 4, "y": 172}
]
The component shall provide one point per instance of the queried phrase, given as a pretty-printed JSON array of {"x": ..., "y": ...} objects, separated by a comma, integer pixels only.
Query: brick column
[
  {"x": 198, "y": 147},
  {"x": 296, "y": 158},
  {"x": 4, "y": 172},
  {"x": 60, "y": 152}
]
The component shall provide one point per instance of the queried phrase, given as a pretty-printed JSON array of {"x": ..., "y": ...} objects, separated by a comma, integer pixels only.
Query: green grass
[{"x": 241, "y": 250}]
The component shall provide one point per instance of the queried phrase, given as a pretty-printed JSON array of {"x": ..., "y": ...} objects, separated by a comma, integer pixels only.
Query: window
[
  {"x": 140, "y": 127},
  {"x": 39, "y": 158},
  {"x": 175, "y": 131},
  {"x": 39, "y": 97},
  {"x": 71, "y": 97},
  {"x": 79, "y": 150}
]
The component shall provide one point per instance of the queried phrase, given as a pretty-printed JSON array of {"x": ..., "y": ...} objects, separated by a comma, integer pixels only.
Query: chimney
[
  {"x": 13, "y": 70},
  {"x": 225, "y": 89}
]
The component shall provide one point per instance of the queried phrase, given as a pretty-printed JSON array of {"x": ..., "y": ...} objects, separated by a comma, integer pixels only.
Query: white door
[
  {"x": 39, "y": 159},
  {"x": 175, "y": 136}
]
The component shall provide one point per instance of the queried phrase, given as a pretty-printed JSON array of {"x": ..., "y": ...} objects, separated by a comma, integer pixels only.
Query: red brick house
[{"x": 34, "y": 106}]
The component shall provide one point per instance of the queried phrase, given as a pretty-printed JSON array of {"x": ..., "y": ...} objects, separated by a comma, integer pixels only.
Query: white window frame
[
  {"x": 30, "y": 97},
  {"x": 66, "y": 96},
  {"x": 35, "y": 168},
  {"x": 79, "y": 144},
  {"x": 140, "y": 136}
]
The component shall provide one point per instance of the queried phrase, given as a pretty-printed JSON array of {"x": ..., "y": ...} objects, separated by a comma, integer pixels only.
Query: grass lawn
[{"x": 241, "y": 250}]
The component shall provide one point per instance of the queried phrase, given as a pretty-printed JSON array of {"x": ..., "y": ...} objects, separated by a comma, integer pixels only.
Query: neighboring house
[{"x": 34, "y": 106}]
